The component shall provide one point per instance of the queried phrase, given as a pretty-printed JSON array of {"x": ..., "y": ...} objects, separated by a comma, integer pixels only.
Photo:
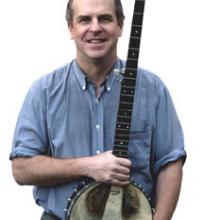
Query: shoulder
[
  {"x": 149, "y": 77},
  {"x": 151, "y": 83},
  {"x": 52, "y": 81},
  {"x": 55, "y": 77}
]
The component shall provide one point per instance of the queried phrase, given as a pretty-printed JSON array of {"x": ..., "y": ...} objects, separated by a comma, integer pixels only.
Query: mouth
[{"x": 96, "y": 41}]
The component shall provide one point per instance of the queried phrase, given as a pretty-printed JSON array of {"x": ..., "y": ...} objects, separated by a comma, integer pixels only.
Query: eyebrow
[
  {"x": 107, "y": 15},
  {"x": 83, "y": 17}
]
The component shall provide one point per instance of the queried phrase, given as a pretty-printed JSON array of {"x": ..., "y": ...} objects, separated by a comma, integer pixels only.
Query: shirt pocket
[{"x": 139, "y": 149}]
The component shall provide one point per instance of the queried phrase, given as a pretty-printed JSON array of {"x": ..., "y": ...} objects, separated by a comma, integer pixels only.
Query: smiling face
[{"x": 95, "y": 29}]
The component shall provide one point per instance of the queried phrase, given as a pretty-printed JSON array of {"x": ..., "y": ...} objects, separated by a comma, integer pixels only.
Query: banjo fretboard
[{"x": 123, "y": 124}]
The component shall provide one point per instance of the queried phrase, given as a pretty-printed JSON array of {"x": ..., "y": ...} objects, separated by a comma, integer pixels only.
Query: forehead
[{"x": 88, "y": 7}]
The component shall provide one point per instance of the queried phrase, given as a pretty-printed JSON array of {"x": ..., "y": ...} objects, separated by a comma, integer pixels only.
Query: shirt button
[
  {"x": 108, "y": 88},
  {"x": 97, "y": 127},
  {"x": 98, "y": 152}
]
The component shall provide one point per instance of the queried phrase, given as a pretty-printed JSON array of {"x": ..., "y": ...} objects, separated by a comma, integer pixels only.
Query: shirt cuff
[
  {"x": 19, "y": 152},
  {"x": 171, "y": 157}
]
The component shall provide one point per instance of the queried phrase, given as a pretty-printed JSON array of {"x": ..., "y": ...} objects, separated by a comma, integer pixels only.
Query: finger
[
  {"x": 124, "y": 162},
  {"x": 119, "y": 183},
  {"x": 107, "y": 152},
  {"x": 123, "y": 170},
  {"x": 121, "y": 177}
]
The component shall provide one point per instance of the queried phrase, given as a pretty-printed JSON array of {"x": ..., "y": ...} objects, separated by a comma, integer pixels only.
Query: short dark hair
[{"x": 118, "y": 11}]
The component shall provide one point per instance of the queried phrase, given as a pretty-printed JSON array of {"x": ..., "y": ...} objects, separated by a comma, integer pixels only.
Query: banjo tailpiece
[{"x": 97, "y": 199}]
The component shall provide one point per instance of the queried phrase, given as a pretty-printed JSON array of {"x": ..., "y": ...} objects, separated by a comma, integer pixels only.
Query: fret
[
  {"x": 134, "y": 69},
  {"x": 121, "y": 148},
  {"x": 122, "y": 137},
  {"x": 138, "y": 26},
  {"x": 137, "y": 13},
  {"x": 125, "y": 94},
  {"x": 127, "y": 86},
  {"x": 126, "y": 98},
  {"x": 126, "y": 105},
  {"x": 124, "y": 120},
  {"x": 127, "y": 118},
  {"x": 132, "y": 59},
  {"x": 137, "y": 19},
  {"x": 134, "y": 42},
  {"x": 129, "y": 82},
  {"x": 122, "y": 132},
  {"x": 120, "y": 153}
]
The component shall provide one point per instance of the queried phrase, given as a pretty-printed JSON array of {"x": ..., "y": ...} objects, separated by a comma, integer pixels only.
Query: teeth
[{"x": 95, "y": 41}]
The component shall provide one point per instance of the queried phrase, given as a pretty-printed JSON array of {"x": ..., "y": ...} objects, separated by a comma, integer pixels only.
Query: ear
[
  {"x": 71, "y": 31},
  {"x": 120, "y": 29}
]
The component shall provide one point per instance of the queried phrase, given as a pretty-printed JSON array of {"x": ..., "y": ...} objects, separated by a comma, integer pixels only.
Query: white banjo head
[{"x": 99, "y": 201}]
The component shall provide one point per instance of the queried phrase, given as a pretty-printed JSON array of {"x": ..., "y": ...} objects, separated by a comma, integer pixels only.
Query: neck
[{"x": 96, "y": 70}]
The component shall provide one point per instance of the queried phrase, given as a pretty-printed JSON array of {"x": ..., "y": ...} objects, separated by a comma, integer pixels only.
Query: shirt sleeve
[
  {"x": 168, "y": 140},
  {"x": 30, "y": 136}
]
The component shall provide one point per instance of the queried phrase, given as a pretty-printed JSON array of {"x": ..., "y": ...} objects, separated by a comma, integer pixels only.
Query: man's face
[{"x": 95, "y": 29}]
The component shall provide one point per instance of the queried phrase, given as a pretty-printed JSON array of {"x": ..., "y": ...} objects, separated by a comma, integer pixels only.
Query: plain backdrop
[{"x": 180, "y": 43}]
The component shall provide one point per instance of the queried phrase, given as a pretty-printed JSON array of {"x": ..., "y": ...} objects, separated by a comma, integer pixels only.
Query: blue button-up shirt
[{"x": 62, "y": 117}]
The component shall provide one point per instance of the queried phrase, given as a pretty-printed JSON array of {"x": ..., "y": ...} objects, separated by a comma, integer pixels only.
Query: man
[{"x": 65, "y": 130}]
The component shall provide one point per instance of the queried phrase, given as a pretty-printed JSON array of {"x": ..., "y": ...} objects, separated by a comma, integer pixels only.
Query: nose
[{"x": 95, "y": 26}]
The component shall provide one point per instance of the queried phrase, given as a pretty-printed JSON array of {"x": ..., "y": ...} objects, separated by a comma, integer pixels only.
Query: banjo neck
[{"x": 123, "y": 124}]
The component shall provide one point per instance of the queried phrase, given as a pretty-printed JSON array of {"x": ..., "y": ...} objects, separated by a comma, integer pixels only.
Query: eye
[
  {"x": 105, "y": 18},
  {"x": 84, "y": 19}
]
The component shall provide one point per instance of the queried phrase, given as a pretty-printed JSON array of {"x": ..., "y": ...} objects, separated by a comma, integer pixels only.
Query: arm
[
  {"x": 43, "y": 170},
  {"x": 167, "y": 190}
]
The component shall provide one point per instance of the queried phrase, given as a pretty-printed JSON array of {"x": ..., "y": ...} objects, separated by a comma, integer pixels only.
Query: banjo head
[{"x": 123, "y": 203}]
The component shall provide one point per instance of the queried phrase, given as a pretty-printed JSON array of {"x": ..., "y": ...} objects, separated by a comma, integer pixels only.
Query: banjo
[{"x": 99, "y": 201}]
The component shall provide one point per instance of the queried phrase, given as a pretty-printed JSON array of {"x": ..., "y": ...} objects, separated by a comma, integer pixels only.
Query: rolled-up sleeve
[
  {"x": 30, "y": 136},
  {"x": 168, "y": 140}
]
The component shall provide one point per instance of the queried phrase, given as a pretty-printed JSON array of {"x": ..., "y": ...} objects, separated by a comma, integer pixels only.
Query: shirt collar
[
  {"x": 80, "y": 75},
  {"x": 110, "y": 79}
]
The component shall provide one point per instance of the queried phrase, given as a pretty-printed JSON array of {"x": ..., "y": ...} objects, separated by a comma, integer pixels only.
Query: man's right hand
[{"x": 107, "y": 168}]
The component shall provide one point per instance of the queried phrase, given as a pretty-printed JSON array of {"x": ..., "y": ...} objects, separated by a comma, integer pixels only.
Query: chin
[
  {"x": 101, "y": 54},
  {"x": 98, "y": 56}
]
